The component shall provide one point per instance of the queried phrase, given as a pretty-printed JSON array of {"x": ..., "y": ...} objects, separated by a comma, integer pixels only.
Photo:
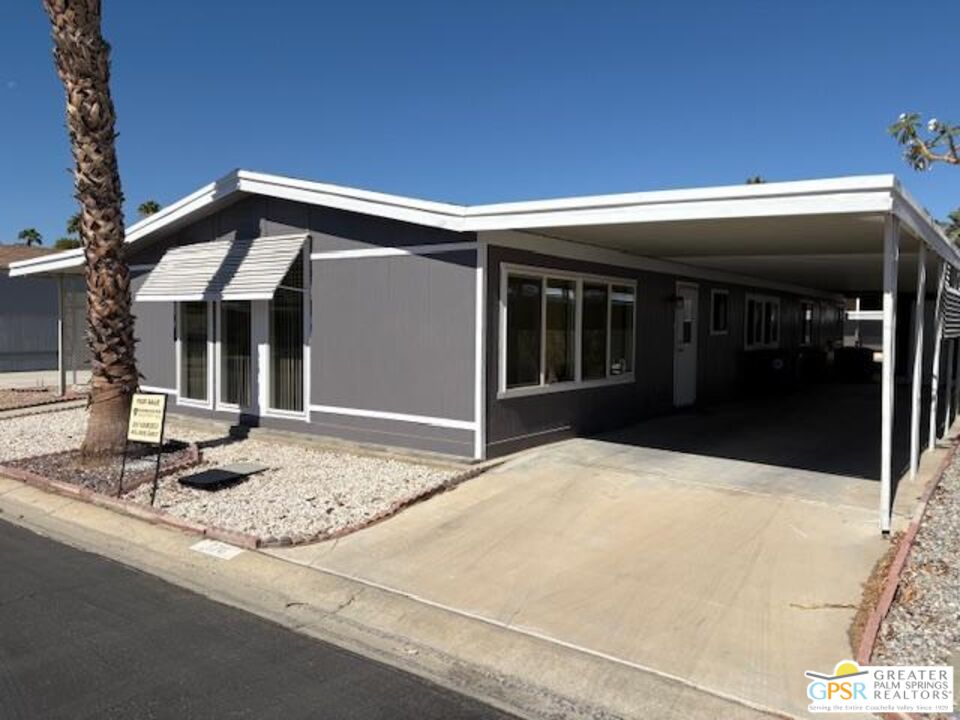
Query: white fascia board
[
  {"x": 47, "y": 263},
  {"x": 877, "y": 201}
]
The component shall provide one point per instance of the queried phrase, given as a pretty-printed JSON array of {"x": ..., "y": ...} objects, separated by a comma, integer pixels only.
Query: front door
[{"x": 685, "y": 345}]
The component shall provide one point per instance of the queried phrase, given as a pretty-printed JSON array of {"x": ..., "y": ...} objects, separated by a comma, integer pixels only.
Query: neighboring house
[
  {"x": 477, "y": 331},
  {"x": 28, "y": 315}
]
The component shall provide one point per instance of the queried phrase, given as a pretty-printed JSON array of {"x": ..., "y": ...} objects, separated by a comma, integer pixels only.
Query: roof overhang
[{"x": 745, "y": 229}]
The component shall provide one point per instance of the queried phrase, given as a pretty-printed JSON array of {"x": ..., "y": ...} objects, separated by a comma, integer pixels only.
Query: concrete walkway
[{"x": 728, "y": 574}]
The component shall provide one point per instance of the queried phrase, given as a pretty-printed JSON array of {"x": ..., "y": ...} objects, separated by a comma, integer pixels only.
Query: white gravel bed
[
  {"x": 923, "y": 625},
  {"x": 41, "y": 433},
  {"x": 304, "y": 494}
]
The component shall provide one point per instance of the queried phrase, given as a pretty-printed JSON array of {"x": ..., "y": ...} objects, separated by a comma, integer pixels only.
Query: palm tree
[
  {"x": 148, "y": 207},
  {"x": 83, "y": 63},
  {"x": 30, "y": 236}
]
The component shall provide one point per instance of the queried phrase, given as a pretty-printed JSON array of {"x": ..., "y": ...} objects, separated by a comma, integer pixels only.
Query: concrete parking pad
[{"x": 733, "y": 576}]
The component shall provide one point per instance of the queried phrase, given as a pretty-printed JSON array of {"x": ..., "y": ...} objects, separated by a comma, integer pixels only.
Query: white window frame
[
  {"x": 764, "y": 301},
  {"x": 814, "y": 312},
  {"x": 264, "y": 376},
  {"x": 713, "y": 299},
  {"x": 208, "y": 403},
  {"x": 578, "y": 383}
]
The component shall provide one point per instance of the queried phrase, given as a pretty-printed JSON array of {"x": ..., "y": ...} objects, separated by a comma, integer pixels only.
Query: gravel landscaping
[
  {"x": 11, "y": 398},
  {"x": 305, "y": 494},
  {"x": 923, "y": 625}
]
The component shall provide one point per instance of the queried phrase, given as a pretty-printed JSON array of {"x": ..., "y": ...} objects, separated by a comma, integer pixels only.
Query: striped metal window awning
[
  {"x": 951, "y": 312},
  {"x": 222, "y": 270}
]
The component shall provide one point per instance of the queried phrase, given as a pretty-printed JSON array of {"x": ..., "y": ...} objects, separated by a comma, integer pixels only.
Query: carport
[{"x": 839, "y": 238}]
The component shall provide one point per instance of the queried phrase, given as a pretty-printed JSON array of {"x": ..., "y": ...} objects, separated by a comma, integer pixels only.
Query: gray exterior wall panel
[
  {"x": 28, "y": 323},
  {"x": 156, "y": 348},
  {"x": 395, "y": 334}
]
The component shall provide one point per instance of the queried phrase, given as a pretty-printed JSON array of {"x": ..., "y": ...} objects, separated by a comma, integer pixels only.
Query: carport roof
[{"x": 823, "y": 234}]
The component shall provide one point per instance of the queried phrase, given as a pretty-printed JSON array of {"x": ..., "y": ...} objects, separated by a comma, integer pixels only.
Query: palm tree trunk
[{"x": 83, "y": 64}]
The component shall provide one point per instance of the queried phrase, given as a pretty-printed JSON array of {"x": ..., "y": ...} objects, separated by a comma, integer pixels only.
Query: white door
[{"x": 685, "y": 346}]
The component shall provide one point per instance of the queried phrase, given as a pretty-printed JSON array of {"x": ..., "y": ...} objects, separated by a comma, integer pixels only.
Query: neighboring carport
[{"x": 839, "y": 237}]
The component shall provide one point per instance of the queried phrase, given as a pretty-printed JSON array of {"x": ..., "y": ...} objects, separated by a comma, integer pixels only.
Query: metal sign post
[{"x": 148, "y": 416}]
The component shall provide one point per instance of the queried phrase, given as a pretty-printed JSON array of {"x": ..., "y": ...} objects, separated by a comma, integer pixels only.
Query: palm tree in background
[
  {"x": 148, "y": 207},
  {"x": 30, "y": 236},
  {"x": 82, "y": 59}
]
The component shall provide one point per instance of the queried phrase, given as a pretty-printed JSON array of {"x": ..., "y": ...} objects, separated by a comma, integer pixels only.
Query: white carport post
[
  {"x": 917, "y": 360},
  {"x": 891, "y": 262},
  {"x": 61, "y": 350},
  {"x": 935, "y": 361},
  {"x": 948, "y": 395}
]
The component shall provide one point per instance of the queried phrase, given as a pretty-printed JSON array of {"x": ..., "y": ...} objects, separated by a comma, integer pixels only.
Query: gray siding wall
[
  {"x": 154, "y": 330},
  {"x": 28, "y": 323},
  {"x": 517, "y": 422},
  {"x": 389, "y": 334}
]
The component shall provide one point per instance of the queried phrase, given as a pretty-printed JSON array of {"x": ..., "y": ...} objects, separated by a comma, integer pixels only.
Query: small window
[
  {"x": 561, "y": 341},
  {"x": 806, "y": 323},
  {"x": 621, "y": 329},
  {"x": 194, "y": 334},
  {"x": 594, "y": 351},
  {"x": 719, "y": 312},
  {"x": 523, "y": 331},
  {"x": 762, "y": 322}
]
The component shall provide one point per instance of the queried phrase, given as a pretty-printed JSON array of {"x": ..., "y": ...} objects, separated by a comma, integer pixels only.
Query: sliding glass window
[
  {"x": 523, "y": 330},
  {"x": 286, "y": 341},
  {"x": 235, "y": 358},
  {"x": 194, "y": 333},
  {"x": 622, "y": 302},
  {"x": 563, "y": 330},
  {"x": 561, "y": 348}
]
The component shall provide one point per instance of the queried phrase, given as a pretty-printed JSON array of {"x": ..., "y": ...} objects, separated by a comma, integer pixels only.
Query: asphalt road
[{"x": 84, "y": 637}]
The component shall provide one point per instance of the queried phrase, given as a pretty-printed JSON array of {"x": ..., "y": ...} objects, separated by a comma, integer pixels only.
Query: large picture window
[
  {"x": 194, "y": 334},
  {"x": 762, "y": 322},
  {"x": 560, "y": 331}
]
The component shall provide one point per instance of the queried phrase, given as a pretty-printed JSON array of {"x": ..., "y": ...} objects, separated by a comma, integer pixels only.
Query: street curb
[
  {"x": 131, "y": 509},
  {"x": 891, "y": 582}
]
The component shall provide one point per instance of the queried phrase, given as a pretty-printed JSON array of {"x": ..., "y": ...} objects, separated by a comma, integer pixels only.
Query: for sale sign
[{"x": 147, "y": 414}]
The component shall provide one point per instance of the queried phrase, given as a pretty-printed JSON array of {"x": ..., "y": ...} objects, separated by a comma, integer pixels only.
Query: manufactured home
[{"x": 476, "y": 331}]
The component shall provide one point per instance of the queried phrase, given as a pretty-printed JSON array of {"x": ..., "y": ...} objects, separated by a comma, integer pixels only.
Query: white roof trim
[{"x": 857, "y": 194}]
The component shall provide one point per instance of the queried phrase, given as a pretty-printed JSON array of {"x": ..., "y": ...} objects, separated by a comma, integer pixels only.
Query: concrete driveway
[{"x": 730, "y": 573}]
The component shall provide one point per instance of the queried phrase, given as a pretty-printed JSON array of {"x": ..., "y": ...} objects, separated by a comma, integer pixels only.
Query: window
[
  {"x": 194, "y": 334},
  {"x": 762, "y": 322},
  {"x": 622, "y": 301},
  {"x": 286, "y": 341},
  {"x": 561, "y": 341},
  {"x": 719, "y": 312},
  {"x": 523, "y": 331},
  {"x": 235, "y": 364},
  {"x": 561, "y": 330},
  {"x": 806, "y": 323},
  {"x": 594, "y": 347}
]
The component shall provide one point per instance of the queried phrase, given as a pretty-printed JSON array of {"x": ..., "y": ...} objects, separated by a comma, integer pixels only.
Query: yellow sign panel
[{"x": 146, "y": 417}]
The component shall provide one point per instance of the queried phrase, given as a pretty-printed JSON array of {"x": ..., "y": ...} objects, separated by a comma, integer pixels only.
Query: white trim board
[
  {"x": 401, "y": 417},
  {"x": 397, "y": 251}
]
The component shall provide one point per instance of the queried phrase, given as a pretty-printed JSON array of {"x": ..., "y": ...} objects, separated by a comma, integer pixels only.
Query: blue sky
[{"x": 481, "y": 101}]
